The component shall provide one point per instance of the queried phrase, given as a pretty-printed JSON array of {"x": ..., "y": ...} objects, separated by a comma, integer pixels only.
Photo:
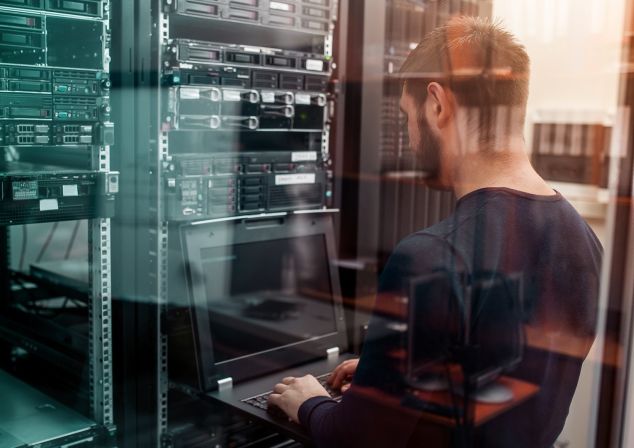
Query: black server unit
[{"x": 245, "y": 127}]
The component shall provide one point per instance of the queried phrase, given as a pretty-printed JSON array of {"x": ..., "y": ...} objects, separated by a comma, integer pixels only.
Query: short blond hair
[{"x": 483, "y": 64}]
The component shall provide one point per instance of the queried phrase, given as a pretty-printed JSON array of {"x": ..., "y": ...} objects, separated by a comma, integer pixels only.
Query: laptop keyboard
[{"x": 261, "y": 401}]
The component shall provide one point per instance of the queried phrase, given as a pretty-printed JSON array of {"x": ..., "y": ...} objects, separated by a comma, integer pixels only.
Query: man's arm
[
  {"x": 362, "y": 419},
  {"x": 370, "y": 413}
]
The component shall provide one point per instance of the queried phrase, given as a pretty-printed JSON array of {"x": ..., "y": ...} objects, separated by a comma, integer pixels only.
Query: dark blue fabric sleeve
[
  {"x": 307, "y": 408},
  {"x": 356, "y": 422}
]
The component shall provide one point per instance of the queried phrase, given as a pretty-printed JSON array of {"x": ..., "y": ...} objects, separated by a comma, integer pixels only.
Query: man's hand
[
  {"x": 343, "y": 374},
  {"x": 292, "y": 392}
]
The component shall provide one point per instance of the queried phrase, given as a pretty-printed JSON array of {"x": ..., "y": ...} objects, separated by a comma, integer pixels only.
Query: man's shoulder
[
  {"x": 442, "y": 234},
  {"x": 418, "y": 254},
  {"x": 422, "y": 240},
  {"x": 423, "y": 248}
]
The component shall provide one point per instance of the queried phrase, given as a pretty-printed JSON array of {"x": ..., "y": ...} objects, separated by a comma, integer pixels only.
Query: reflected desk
[
  {"x": 30, "y": 418},
  {"x": 432, "y": 428},
  {"x": 483, "y": 412},
  {"x": 540, "y": 338}
]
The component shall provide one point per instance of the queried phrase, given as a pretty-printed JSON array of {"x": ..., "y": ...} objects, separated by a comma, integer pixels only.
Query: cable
[
  {"x": 47, "y": 242},
  {"x": 72, "y": 240},
  {"x": 23, "y": 250},
  {"x": 78, "y": 302}
]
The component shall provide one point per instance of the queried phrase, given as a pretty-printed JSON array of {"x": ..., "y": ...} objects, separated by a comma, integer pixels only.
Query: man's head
[{"x": 465, "y": 89}]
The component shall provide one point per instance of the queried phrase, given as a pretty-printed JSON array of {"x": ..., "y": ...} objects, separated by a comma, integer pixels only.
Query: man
[{"x": 465, "y": 92}]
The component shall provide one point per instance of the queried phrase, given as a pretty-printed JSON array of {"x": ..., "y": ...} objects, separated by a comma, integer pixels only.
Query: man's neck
[{"x": 502, "y": 169}]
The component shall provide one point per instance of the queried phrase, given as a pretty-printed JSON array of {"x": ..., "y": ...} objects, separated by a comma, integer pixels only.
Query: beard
[{"x": 428, "y": 155}]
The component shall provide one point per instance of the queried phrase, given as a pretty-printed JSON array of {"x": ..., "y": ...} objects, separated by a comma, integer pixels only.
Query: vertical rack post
[
  {"x": 100, "y": 329},
  {"x": 159, "y": 235},
  {"x": 5, "y": 264},
  {"x": 100, "y": 309},
  {"x": 5, "y": 285}
]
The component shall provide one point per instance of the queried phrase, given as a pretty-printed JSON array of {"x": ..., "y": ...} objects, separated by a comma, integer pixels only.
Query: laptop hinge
[
  {"x": 225, "y": 383},
  {"x": 332, "y": 352}
]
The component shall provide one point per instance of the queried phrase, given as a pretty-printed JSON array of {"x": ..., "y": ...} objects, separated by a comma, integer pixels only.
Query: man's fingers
[
  {"x": 275, "y": 399},
  {"x": 340, "y": 375},
  {"x": 280, "y": 388},
  {"x": 338, "y": 378},
  {"x": 288, "y": 380},
  {"x": 339, "y": 370},
  {"x": 335, "y": 377}
]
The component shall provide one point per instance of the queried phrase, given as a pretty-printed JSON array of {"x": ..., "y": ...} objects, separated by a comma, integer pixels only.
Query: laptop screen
[{"x": 264, "y": 295}]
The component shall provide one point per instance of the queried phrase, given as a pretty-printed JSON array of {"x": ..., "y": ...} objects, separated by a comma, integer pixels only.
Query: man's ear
[{"x": 441, "y": 107}]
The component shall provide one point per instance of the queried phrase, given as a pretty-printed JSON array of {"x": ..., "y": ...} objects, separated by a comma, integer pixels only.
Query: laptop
[
  {"x": 265, "y": 305},
  {"x": 30, "y": 418}
]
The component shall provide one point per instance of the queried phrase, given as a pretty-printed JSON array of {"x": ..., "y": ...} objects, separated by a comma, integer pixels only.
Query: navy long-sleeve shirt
[{"x": 495, "y": 230}]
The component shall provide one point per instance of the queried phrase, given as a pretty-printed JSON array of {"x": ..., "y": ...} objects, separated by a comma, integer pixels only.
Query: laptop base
[{"x": 233, "y": 396}]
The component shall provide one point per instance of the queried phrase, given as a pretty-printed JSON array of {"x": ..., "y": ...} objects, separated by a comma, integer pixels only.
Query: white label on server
[
  {"x": 304, "y": 156},
  {"x": 280, "y": 6},
  {"x": 252, "y": 49},
  {"x": 268, "y": 97},
  {"x": 48, "y": 205},
  {"x": 315, "y": 65},
  {"x": 302, "y": 98},
  {"x": 70, "y": 190},
  {"x": 231, "y": 95},
  {"x": 190, "y": 94},
  {"x": 294, "y": 179}
]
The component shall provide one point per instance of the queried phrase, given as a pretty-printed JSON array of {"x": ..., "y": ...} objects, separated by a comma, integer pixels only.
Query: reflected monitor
[
  {"x": 434, "y": 323},
  {"x": 479, "y": 327},
  {"x": 496, "y": 327}
]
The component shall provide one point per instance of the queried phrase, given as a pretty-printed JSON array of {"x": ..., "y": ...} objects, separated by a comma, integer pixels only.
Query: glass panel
[{"x": 207, "y": 207}]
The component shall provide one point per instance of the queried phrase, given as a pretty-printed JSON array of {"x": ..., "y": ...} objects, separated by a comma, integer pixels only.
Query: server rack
[
  {"x": 203, "y": 80},
  {"x": 386, "y": 165},
  {"x": 56, "y": 134},
  {"x": 385, "y": 197}
]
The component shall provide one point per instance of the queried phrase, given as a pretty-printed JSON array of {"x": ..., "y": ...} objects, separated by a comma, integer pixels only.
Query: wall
[{"x": 575, "y": 47}]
